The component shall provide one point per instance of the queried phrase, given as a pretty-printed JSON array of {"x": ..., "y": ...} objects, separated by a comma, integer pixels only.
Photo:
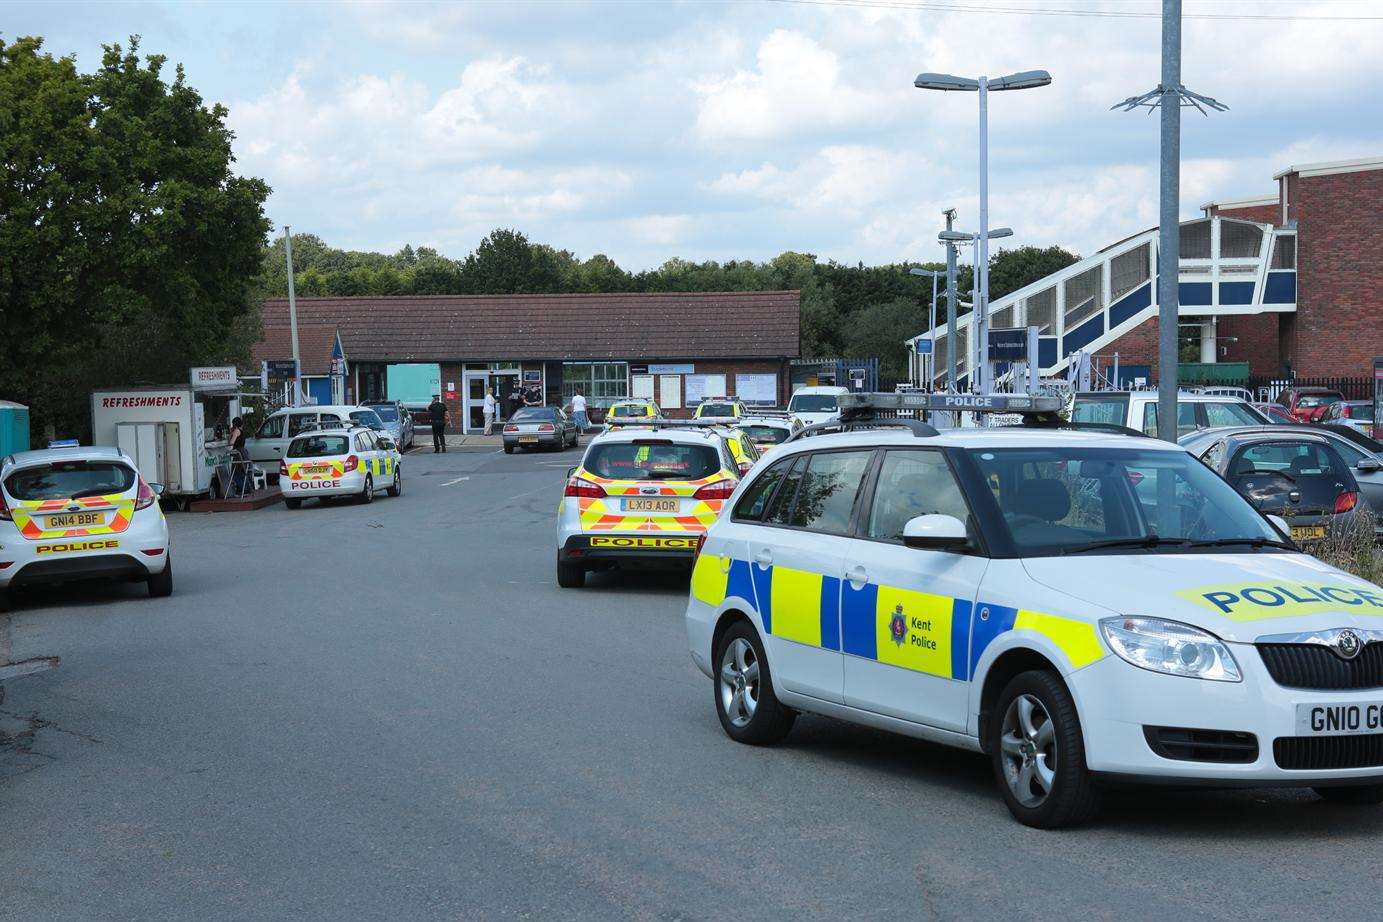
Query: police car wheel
[
  {"x": 748, "y": 710},
  {"x": 1038, "y": 754},
  {"x": 293, "y": 503},
  {"x": 161, "y": 584},
  {"x": 397, "y": 488},
  {"x": 1355, "y": 794},
  {"x": 570, "y": 575},
  {"x": 367, "y": 492}
]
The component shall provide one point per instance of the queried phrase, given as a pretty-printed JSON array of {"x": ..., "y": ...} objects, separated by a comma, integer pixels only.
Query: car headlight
[{"x": 1170, "y": 647}]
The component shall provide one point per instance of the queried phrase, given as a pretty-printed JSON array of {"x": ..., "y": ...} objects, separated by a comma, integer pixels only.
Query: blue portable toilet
[{"x": 14, "y": 427}]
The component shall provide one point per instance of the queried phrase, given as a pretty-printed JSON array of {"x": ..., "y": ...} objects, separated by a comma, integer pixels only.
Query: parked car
[
  {"x": 1297, "y": 475},
  {"x": 1306, "y": 404},
  {"x": 767, "y": 431},
  {"x": 418, "y": 409},
  {"x": 282, "y": 426},
  {"x": 539, "y": 427},
  {"x": 815, "y": 405},
  {"x": 1356, "y": 414},
  {"x": 1276, "y": 413},
  {"x": 632, "y": 409},
  {"x": 720, "y": 408},
  {"x": 397, "y": 421},
  {"x": 1138, "y": 410},
  {"x": 1363, "y": 455}
]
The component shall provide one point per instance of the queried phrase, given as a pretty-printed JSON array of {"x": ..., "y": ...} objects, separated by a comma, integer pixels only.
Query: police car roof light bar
[
  {"x": 652, "y": 422},
  {"x": 1040, "y": 404}
]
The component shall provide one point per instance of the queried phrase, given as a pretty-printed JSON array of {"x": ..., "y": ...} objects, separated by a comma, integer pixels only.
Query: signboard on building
[
  {"x": 218, "y": 376},
  {"x": 922, "y": 345},
  {"x": 533, "y": 376},
  {"x": 282, "y": 369},
  {"x": 687, "y": 369},
  {"x": 1008, "y": 345},
  {"x": 757, "y": 389}
]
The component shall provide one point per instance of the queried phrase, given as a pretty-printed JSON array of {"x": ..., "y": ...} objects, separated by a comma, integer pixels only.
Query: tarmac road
[{"x": 392, "y": 711}]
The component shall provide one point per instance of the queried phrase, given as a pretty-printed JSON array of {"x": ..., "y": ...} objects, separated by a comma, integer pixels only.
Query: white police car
[
  {"x": 80, "y": 513},
  {"x": 1081, "y": 606},
  {"x": 351, "y": 461}
]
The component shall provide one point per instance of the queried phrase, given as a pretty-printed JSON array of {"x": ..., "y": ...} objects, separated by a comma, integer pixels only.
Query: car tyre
[
  {"x": 396, "y": 489},
  {"x": 748, "y": 709},
  {"x": 508, "y": 449},
  {"x": 367, "y": 492},
  {"x": 161, "y": 583},
  {"x": 6, "y": 601},
  {"x": 570, "y": 575},
  {"x": 1037, "y": 751},
  {"x": 293, "y": 503},
  {"x": 1360, "y": 795}
]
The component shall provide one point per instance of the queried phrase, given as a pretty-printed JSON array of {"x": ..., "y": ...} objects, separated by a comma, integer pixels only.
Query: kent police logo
[{"x": 898, "y": 627}]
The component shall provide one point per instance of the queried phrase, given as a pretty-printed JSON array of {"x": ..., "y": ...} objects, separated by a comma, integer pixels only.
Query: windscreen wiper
[
  {"x": 1148, "y": 541},
  {"x": 1251, "y": 542}
]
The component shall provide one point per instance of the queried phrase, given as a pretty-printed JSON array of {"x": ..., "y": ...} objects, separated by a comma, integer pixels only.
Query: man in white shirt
[
  {"x": 578, "y": 411},
  {"x": 490, "y": 405}
]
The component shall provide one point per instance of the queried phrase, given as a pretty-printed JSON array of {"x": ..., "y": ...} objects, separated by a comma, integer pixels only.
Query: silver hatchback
[{"x": 540, "y": 427}]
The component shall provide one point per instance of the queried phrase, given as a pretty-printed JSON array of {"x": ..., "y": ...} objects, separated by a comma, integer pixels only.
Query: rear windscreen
[
  {"x": 631, "y": 411},
  {"x": 652, "y": 461},
  {"x": 1318, "y": 400},
  {"x": 813, "y": 403},
  {"x": 717, "y": 409},
  {"x": 1110, "y": 410},
  {"x": 1272, "y": 473},
  {"x": 317, "y": 446},
  {"x": 388, "y": 414},
  {"x": 768, "y": 434},
  {"x": 70, "y": 480}
]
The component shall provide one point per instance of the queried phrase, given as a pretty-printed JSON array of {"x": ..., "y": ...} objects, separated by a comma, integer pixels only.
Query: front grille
[
  {"x": 1187, "y": 744},
  {"x": 1309, "y": 665},
  {"x": 1315, "y": 752}
]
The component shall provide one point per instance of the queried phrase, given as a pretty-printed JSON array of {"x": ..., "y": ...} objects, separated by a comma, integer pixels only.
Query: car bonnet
[{"x": 1238, "y": 597}]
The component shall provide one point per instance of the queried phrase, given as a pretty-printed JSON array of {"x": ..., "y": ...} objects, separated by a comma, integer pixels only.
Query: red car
[
  {"x": 1276, "y": 413},
  {"x": 1308, "y": 404}
]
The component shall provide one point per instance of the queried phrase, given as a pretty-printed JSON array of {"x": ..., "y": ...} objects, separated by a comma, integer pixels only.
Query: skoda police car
[
  {"x": 351, "y": 461},
  {"x": 643, "y": 494},
  {"x": 80, "y": 513},
  {"x": 1080, "y": 604}
]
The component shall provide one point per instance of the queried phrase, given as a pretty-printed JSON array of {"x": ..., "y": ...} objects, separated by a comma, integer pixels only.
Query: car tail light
[
  {"x": 1345, "y": 502},
  {"x": 145, "y": 497},
  {"x": 1346, "y": 412},
  {"x": 352, "y": 463},
  {"x": 283, "y": 468},
  {"x": 547, "y": 427},
  {"x": 511, "y": 428},
  {"x": 719, "y": 490},
  {"x": 580, "y": 486},
  {"x": 700, "y": 543}
]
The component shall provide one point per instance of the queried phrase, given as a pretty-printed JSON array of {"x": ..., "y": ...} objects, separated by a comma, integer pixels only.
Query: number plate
[
  {"x": 1308, "y": 532},
  {"x": 76, "y": 520},
  {"x": 651, "y": 505},
  {"x": 528, "y": 438},
  {"x": 1339, "y": 719}
]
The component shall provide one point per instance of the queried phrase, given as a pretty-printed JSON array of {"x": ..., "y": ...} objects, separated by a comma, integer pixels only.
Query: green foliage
[
  {"x": 846, "y": 310},
  {"x": 128, "y": 250}
]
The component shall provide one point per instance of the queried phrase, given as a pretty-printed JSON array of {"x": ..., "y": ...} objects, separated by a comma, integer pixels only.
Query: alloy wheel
[
  {"x": 739, "y": 682},
  {"x": 1028, "y": 742}
]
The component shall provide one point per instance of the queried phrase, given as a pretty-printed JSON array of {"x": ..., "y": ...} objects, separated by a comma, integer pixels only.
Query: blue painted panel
[
  {"x": 1130, "y": 304},
  {"x": 1236, "y": 292},
  {"x": 830, "y": 613},
  {"x": 1281, "y": 288},
  {"x": 763, "y": 591},
  {"x": 320, "y": 389},
  {"x": 1195, "y": 293},
  {"x": 1083, "y": 335},
  {"x": 740, "y": 583},
  {"x": 857, "y": 625},
  {"x": 960, "y": 639},
  {"x": 1000, "y": 619},
  {"x": 1046, "y": 351}
]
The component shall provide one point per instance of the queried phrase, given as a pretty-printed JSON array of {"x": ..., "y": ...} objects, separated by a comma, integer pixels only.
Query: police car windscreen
[
  {"x": 388, "y": 414},
  {"x": 769, "y": 434},
  {"x": 813, "y": 403},
  {"x": 317, "y": 446},
  {"x": 717, "y": 409},
  {"x": 70, "y": 480},
  {"x": 1063, "y": 500},
  {"x": 652, "y": 461}
]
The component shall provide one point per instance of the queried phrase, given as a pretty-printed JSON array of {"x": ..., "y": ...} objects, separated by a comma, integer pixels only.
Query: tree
[
  {"x": 1010, "y": 270},
  {"x": 128, "y": 249},
  {"x": 879, "y": 330}
]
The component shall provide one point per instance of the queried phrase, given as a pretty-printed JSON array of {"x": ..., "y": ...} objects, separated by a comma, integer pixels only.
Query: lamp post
[
  {"x": 1023, "y": 80},
  {"x": 931, "y": 328},
  {"x": 979, "y": 326}
]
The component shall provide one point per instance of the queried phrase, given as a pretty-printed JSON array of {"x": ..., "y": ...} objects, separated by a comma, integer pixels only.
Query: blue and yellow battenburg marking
[{"x": 934, "y": 634}]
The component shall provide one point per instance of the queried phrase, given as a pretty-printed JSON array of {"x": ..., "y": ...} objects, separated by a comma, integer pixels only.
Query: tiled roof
[{"x": 700, "y": 325}]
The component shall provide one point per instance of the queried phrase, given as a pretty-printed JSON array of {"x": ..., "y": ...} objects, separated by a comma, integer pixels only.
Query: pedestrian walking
[
  {"x": 578, "y": 411},
  {"x": 491, "y": 405},
  {"x": 437, "y": 410}
]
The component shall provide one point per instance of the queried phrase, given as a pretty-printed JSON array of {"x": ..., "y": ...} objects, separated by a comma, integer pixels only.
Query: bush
[{"x": 1353, "y": 549}]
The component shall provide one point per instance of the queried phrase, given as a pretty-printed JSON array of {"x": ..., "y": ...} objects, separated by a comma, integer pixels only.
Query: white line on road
[{"x": 457, "y": 480}]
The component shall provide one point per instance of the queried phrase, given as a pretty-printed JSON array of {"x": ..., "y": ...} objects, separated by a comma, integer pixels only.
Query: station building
[
  {"x": 674, "y": 348},
  {"x": 1288, "y": 283}
]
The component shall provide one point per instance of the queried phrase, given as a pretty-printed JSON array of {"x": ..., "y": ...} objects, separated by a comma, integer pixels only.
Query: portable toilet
[{"x": 14, "y": 427}]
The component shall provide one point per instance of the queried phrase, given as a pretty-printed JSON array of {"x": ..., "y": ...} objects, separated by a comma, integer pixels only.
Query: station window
[{"x": 602, "y": 383}]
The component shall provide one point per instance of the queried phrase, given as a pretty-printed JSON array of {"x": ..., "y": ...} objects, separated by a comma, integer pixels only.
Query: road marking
[{"x": 457, "y": 480}]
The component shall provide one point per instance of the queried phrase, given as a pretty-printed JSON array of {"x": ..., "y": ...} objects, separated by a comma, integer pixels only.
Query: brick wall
[
  {"x": 729, "y": 370},
  {"x": 1339, "y": 326},
  {"x": 1263, "y": 214},
  {"x": 1257, "y": 344},
  {"x": 1136, "y": 347}
]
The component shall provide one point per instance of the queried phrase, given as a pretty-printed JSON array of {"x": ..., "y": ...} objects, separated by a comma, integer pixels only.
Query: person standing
[
  {"x": 578, "y": 411},
  {"x": 491, "y": 405},
  {"x": 515, "y": 398},
  {"x": 239, "y": 456},
  {"x": 437, "y": 410}
]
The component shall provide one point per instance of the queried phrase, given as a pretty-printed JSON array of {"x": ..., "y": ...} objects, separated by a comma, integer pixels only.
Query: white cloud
[
  {"x": 660, "y": 229},
  {"x": 840, "y": 178}
]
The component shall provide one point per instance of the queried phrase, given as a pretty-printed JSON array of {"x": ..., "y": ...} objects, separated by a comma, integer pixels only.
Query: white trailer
[{"x": 175, "y": 434}]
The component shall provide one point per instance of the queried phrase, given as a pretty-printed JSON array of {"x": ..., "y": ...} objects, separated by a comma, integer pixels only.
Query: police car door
[
  {"x": 906, "y": 612},
  {"x": 795, "y": 560}
]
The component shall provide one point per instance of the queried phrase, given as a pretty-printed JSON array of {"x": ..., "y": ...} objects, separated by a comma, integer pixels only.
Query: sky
[{"x": 741, "y": 129}]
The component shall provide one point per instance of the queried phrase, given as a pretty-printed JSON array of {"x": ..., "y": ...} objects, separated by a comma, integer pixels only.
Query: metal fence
[{"x": 1357, "y": 388}]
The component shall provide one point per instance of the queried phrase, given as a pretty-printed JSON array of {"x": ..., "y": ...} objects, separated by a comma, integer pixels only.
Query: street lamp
[
  {"x": 931, "y": 329},
  {"x": 950, "y": 83}
]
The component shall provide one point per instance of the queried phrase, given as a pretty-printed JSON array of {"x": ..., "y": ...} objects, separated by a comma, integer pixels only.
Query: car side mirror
[
  {"x": 158, "y": 488},
  {"x": 1281, "y": 525},
  {"x": 1369, "y": 466},
  {"x": 935, "y": 532}
]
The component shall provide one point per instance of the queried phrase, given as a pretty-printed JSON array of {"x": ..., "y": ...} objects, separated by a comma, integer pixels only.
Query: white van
[
  {"x": 815, "y": 404},
  {"x": 1138, "y": 410},
  {"x": 273, "y": 435}
]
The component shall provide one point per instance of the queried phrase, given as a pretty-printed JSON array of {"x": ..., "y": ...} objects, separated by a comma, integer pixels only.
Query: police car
[
  {"x": 767, "y": 431},
  {"x": 349, "y": 461},
  {"x": 1081, "y": 605},
  {"x": 643, "y": 494},
  {"x": 80, "y": 513},
  {"x": 720, "y": 408}
]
